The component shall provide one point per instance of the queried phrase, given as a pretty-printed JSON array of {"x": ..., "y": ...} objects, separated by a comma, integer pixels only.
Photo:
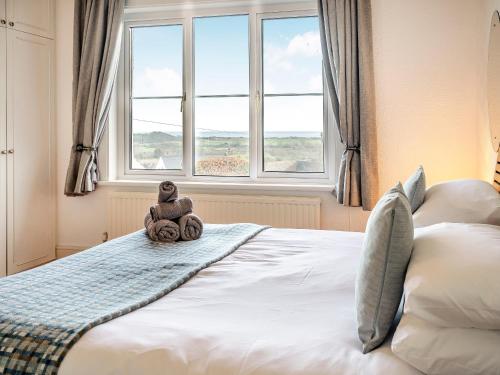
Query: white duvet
[{"x": 283, "y": 303}]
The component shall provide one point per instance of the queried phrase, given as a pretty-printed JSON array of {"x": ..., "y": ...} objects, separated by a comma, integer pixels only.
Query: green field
[{"x": 228, "y": 156}]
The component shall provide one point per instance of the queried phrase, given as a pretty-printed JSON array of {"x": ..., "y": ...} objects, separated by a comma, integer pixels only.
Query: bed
[
  {"x": 248, "y": 299},
  {"x": 283, "y": 303}
]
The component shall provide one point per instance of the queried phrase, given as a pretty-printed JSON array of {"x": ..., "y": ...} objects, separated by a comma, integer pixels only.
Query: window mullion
[
  {"x": 258, "y": 97},
  {"x": 188, "y": 148},
  {"x": 253, "y": 102}
]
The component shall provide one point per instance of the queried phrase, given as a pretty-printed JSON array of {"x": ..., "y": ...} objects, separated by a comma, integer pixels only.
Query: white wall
[
  {"x": 429, "y": 101},
  {"x": 426, "y": 69},
  {"x": 80, "y": 221}
]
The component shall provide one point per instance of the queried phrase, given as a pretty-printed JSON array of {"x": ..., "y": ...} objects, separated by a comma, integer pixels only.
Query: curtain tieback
[
  {"x": 352, "y": 148},
  {"x": 81, "y": 148}
]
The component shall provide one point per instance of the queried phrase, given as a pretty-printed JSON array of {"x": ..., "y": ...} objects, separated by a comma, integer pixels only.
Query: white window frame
[
  {"x": 127, "y": 100},
  {"x": 182, "y": 16},
  {"x": 193, "y": 96},
  {"x": 259, "y": 65}
]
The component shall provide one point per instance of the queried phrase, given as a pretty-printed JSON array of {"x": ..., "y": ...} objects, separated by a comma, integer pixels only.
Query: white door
[
  {"x": 32, "y": 16},
  {"x": 3, "y": 19},
  {"x": 30, "y": 169},
  {"x": 3, "y": 155}
]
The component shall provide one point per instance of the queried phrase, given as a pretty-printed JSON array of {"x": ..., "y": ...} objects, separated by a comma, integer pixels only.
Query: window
[
  {"x": 237, "y": 96},
  {"x": 293, "y": 95},
  {"x": 221, "y": 88},
  {"x": 156, "y": 97}
]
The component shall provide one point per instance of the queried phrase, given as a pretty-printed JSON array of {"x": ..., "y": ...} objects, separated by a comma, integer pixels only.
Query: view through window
[
  {"x": 289, "y": 99},
  {"x": 156, "y": 97},
  {"x": 221, "y": 96},
  {"x": 293, "y": 95}
]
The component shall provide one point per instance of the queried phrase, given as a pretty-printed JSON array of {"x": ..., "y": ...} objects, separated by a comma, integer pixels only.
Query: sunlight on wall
[{"x": 426, "y": 72}]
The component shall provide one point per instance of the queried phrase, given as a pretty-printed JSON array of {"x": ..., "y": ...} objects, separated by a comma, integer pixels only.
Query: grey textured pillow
[
  {"x": 415, "y": 189},
  {"x": 387, "y": 249}
]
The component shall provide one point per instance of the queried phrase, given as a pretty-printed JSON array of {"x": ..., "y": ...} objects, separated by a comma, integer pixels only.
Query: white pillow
[
  {"x": 460, "y": 201},
  {"x": 453, "y": 278},
  {"x": 435, "y": 350}
]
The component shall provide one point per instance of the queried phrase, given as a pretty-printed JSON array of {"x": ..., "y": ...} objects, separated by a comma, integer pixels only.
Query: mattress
[{"x": 283, "y": 303}]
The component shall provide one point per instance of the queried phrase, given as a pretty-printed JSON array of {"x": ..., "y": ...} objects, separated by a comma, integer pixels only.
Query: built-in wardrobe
[{"x": 27, "y": 119}]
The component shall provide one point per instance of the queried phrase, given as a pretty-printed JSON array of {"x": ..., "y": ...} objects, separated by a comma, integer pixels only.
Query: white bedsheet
[{"x": 283, "y": 303}]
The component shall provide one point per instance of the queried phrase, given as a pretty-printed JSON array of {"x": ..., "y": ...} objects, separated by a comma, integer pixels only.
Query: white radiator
[{"x": 126, "y": 210}]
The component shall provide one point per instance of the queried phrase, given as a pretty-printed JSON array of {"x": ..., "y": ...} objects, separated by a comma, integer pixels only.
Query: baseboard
[{"x": 66, "y": 250}]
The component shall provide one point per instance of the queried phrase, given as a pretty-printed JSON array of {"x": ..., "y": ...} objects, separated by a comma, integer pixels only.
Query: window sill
[{"x": 249, "y": 186}]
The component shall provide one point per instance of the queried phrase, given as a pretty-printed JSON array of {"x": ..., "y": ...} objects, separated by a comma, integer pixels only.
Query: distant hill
[
  {"x": 158, "y": 136},
  {"x": 154, "y": 137}
]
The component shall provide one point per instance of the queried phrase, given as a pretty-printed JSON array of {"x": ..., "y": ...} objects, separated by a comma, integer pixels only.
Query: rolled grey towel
[
  {"x": 162, "y": 230},
  {"x": 191, "y": 227},
  {"x": 150, "y": 226},
  {"x": 168, "y": 192},
  {"x": 171, "y": 210},
  {"x": 167, "y": 231}
]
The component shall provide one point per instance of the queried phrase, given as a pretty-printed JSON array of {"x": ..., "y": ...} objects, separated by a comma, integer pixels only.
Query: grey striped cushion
[
  {"x": 415, "y": 189},
  {"x": 386, "y": 251}
]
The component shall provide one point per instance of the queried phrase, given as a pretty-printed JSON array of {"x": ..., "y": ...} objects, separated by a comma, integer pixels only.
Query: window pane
[
  {"x": 222, "y": 135},
  {"x": 157, "y": 61},
  {"x": 156, "y": 134},
  {"x": 293, "y": 134},
  {"x": 221, "y": 55},
  {"x": 292, "y": 56}
]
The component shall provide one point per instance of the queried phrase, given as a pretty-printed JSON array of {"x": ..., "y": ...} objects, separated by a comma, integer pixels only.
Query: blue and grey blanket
[{"x": 44, "y": 311}]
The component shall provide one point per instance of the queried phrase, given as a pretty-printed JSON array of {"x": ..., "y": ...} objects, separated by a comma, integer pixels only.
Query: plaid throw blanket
[{"x": 44, "y": 311}]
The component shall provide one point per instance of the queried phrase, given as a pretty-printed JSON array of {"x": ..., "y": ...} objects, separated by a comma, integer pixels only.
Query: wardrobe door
[
  {"x": 30, "y": 169},
  {"x": 3, "y": 19},
  {"x": 3, "y": 154},
  {"x": 32, "y": 16}
]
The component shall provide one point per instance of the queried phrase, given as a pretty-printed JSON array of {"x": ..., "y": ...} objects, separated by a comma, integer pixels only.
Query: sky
[{"x": 292, "y": 64}]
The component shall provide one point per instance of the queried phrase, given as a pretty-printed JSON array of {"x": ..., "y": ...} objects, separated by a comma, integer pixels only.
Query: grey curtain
[
  {"x": 346, "y": 41},
  {"x": 97, "y": 34}
]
